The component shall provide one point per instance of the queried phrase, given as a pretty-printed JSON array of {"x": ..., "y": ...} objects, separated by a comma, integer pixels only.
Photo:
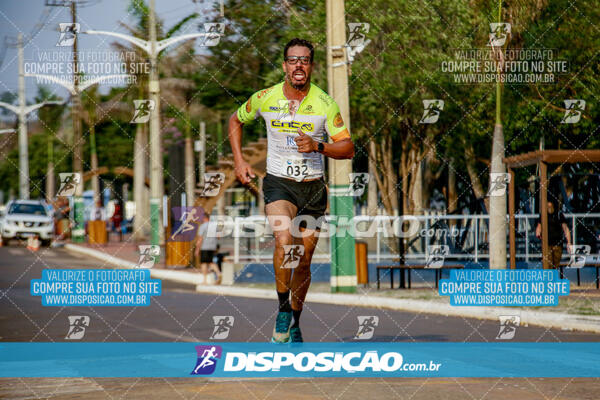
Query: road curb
[
  {"x": 174, "y": 276},
  {"x": 545, "y": 319},
  {"x": 539, "y": 318}
]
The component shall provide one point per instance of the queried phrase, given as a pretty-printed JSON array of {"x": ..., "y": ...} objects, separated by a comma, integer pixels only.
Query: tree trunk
[
  {"x": 390, "y": 178},
  {"x": 372, "y": 188},
  {"x": 497, "y": 210},
  {"x": 417, "y": 189},
  {"x": 50, "y": 183},
  {"x": 190, "y": 177},
  {"x": 140, "y": 151},
  {"x": 94, "y": 164},
  {"x": 474, "y": 176},
  {"x": 451, "y": 195}
]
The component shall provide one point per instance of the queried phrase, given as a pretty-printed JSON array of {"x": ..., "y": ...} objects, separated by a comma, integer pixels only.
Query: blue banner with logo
[
  {"x": 512, "y": 287},
  {"x": 300, "y": 360}
]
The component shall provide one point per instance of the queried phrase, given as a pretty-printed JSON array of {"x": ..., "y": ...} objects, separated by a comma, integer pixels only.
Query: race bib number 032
[{"x": 296, "y": 168}]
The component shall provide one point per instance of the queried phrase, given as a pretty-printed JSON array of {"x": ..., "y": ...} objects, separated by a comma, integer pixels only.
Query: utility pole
[
  {"x": 23, "y": 148},
  {"x": 497, "y": 211},
  {"x": 202, "y": 155},
  {"x": 343, "y": 266},
  {"x": 78, "y": 232},
  {"x": 156, "y": 168}
]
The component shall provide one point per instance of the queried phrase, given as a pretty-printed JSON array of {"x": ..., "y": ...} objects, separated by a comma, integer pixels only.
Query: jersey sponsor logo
[
  {"x": 305, "y": 126},
  {"x": 338, "y": 122},
  {"x": 249, "y": 105},
  {"x": 326, "y": 99},
  {"x": 263, "y": 92},
  {"x": 308, "y": 109}
]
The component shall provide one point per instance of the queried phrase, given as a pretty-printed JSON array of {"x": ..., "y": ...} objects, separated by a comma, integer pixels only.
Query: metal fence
[{"x": 465, "y": 235}]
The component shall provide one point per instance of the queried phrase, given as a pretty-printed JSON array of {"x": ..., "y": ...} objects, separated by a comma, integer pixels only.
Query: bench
[
  {"x": 409, "y": 268},
  {"x": 562, "y": 266}
]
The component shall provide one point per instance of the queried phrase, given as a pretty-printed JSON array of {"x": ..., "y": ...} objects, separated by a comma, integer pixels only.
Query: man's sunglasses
[{"x": 293, "y": 60}]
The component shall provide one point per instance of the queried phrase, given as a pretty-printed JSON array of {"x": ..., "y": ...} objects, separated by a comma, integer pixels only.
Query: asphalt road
[{"x": 180, "y": 314}]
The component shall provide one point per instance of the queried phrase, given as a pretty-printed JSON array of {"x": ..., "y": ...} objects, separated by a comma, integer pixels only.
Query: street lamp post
[
  {"x": 152, "y": 47},
  {"x": 22, "y": 110},
  {"x": 75, "y": 88}
]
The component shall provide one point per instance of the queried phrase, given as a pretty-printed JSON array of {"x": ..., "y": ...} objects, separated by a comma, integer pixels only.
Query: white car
[{"x": 27, "y": 218}]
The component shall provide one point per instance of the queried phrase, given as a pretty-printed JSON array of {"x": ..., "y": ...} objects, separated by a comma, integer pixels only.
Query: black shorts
[
  {"x": 206, "y": 256},
  {"x": 310, "y": 197}
]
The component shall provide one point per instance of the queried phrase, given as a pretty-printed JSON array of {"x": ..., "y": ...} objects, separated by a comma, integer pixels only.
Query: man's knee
[{"x": 283, "y": 239}]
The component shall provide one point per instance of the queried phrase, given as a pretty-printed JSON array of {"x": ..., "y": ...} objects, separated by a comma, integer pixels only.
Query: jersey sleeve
[
  {"x": 336, "y": 128},
  {"x": 251, "y": 108}
]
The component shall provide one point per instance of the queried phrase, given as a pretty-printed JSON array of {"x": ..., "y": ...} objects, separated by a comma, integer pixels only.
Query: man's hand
[
  {"x": 243, "y": 171},
  {"x": 305, "y": 143}
]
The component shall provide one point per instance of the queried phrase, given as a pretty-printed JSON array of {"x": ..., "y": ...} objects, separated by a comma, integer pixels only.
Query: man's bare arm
[
  {"x": 243, "y": 171},
  {"x": 198, "y": 246},
  {"x": 340, "y": 150},
  {"x": 567, "y": 233}
]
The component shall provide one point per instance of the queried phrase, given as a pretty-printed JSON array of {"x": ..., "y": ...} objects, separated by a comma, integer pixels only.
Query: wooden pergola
[{"x": 542, "y": 158}]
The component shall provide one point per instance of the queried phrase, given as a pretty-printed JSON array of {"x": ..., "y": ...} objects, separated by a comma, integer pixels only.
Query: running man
[{"x": 294, "y": 184}]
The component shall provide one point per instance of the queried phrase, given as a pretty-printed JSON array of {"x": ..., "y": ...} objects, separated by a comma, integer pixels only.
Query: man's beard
[{"x": 297, "y": 86}]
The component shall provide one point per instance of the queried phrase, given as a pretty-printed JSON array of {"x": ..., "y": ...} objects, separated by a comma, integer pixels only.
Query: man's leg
[
  {"x": 280, "y": 214},
  {"x": 204, "y": 269},
  {"x": 301, "y": 276},
  {"x": 301, "y": 281}
]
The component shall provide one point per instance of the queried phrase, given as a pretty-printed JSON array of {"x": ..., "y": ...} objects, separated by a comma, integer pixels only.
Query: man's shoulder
[
  {"x": 321, "y": 96},
  {"x": 264, "y": 93}
]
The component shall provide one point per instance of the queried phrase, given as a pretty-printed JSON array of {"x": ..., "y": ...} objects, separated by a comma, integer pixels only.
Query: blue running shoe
[
  {"x": 295, "y": 335},
  {"x": 281, "y": 332}
]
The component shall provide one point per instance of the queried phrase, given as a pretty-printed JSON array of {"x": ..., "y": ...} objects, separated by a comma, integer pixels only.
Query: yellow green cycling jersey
[{"x": 316, "y": 115}]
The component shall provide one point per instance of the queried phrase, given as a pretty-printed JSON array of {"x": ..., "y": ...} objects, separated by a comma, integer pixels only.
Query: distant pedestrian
[
  {"x": 558, "y": 231},
  {"x": 206, "y": 247}
]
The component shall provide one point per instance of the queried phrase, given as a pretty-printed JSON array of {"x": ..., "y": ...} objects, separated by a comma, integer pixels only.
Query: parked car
[{"x": 27, "y": 218}]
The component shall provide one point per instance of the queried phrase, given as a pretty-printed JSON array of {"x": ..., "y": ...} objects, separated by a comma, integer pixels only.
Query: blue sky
[{"x": 22, "y": 15}]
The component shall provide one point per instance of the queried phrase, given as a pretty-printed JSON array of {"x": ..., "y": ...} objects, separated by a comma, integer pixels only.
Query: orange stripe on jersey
[{"x": 341, "y": 135}]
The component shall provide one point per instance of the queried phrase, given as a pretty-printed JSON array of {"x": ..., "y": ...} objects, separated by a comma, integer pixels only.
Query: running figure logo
[
  {"x": 223, "y": 324},
  {"x": 574, "y": 109},
  {"x": 142, "y": 109},
  {"x": 366, "y": 326},
  {"x": 68, "y": 183},
  {"x": 215, "y": 30},
  {"x": 286, "y": 109},
  {"x": 358, "y": 184},
  {"x": 68, "y": 33},
  {"x": 357, "y": 38},
  {"x": 207, "y": 359},
  {"x": 432, "y": 111},
  {"x": 579, "y": 256},
  {"x": 508, "y": 326},
  {"x": 148, "y": 255},
  {"x": 77, "y": 325},
  {"x": 498, "y": 33},
  {"x": 436, "y": 255},
  {"x": 212, "y": 183},
  {"x": 498, "y": 183},
  {"x": 292, "y": 255},
  {"x": 189, "y": 218}
]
